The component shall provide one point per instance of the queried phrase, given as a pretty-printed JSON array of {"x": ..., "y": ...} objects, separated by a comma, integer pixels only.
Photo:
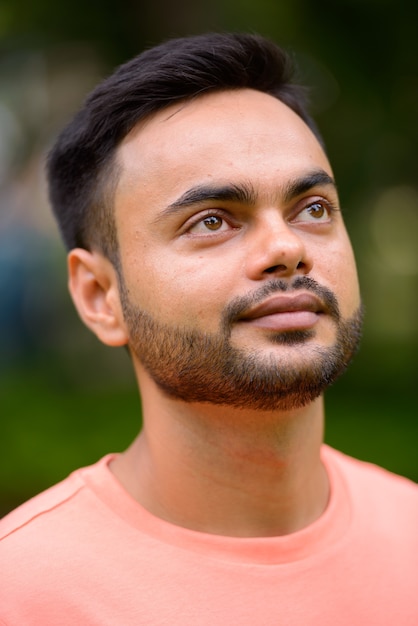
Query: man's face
[{"x": 238, "y": 279}]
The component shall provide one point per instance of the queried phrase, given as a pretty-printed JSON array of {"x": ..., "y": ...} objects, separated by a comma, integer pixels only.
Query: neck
[{"x": 227, "y": 471}]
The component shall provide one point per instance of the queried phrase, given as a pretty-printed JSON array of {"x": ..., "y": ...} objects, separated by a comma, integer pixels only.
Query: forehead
[{"x": 219, "y": 137}]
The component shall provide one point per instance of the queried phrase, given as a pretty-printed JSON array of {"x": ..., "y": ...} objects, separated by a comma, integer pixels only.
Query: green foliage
[
  {"x": 69, "y": 404},
  {"x": 48, "y": 430},
  {"x": 52, "y": 425}
]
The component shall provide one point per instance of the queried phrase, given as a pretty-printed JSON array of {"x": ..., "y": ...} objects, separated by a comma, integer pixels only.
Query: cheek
[
  {"x": 341, "y": 275},
  {"x": 175, "y": 288}
]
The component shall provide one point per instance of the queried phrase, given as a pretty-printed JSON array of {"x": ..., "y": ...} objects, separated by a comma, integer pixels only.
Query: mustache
[{"x": 241, "y": 304}]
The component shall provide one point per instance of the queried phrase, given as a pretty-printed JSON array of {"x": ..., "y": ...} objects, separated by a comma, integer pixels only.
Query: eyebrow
[
  {"x": 316, "y": 178},
  {"x": 244, "y": 193}
]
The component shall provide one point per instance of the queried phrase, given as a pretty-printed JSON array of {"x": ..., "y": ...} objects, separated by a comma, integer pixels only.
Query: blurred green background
[{"x": 65, "y": 400}]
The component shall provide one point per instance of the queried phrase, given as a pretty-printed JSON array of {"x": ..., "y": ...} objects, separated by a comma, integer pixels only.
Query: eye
[
  {"x": 209, "y": 223},
  {"x": 318, "y": 211}
]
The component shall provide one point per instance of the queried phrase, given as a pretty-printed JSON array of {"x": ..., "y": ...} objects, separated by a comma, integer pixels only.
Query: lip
[{"x": 285, "y": 312}]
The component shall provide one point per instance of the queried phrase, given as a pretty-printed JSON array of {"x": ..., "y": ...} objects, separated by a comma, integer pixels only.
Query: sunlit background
[{"x": 65, "y": 400}]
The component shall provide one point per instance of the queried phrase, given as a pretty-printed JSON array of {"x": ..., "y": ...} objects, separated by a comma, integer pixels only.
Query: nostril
[{"x": 275, "y": 268}]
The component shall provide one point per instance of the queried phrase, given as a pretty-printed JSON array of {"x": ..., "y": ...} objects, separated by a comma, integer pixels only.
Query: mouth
[{"x": 285, "y": 312}]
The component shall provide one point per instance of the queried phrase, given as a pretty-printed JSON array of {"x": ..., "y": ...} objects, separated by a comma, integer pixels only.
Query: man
[{"x": 204, "y": 232}]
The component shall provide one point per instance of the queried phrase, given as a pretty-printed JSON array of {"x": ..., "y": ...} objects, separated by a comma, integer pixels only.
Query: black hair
[{"x": 81, "y": 167}]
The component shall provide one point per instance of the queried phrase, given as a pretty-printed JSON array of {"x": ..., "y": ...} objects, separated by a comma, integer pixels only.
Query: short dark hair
[{"x": 81, "y": 165}]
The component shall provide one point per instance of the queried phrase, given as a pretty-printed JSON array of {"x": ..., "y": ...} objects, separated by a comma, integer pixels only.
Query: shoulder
[
  {"x": 34, "y": 534},
  {"x": 375, "y": 490},
  {"x": 52, "y": 500},
  {"x": 48, "y": 514},
  {"x": 364, "y": 470},
  {"x": 56, "y": 527}
]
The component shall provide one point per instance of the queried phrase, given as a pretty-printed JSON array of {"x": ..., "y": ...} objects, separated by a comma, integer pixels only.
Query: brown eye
[
  {"x": 212, "y": 222},
  {"x": 317, "y": 210},
  {"x": 314, "y": 212}
]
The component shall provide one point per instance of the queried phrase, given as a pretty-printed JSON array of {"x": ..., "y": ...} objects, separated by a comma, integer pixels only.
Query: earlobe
[{"x": 94, "y": 289}]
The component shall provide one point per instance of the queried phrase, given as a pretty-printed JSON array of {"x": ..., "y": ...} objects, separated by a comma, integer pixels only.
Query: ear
[{"x": 94, "y": 289}]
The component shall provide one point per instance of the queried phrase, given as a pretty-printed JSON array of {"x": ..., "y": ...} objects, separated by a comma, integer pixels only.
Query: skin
[{"x": 209, "y": 467}]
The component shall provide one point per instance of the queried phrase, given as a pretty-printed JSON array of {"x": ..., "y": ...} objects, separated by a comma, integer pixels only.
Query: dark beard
[{"x": 194, "y": 366}]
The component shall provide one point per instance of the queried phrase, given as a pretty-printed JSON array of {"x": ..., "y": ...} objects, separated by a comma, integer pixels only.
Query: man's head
[
  {"x": 233, "y": 279},
  {"x": 82, "y": 169}
]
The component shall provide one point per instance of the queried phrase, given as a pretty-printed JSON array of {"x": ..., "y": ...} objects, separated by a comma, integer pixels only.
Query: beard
[{"x": 193, "y": 366}]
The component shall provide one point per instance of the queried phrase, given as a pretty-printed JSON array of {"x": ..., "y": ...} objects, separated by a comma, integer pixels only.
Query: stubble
[{"x": 194, "y": 366}]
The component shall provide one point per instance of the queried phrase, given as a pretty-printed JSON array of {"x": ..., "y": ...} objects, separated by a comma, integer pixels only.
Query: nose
[{"x": 276, "y": 248}]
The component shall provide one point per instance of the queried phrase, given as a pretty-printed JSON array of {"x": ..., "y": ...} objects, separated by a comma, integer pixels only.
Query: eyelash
[
  {"x": 209, "y": 213},
  {"x": 329, "y": 207}
]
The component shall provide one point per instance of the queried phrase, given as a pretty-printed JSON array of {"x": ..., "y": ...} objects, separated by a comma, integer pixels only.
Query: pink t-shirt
[{"x": 85, "y": 553}]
